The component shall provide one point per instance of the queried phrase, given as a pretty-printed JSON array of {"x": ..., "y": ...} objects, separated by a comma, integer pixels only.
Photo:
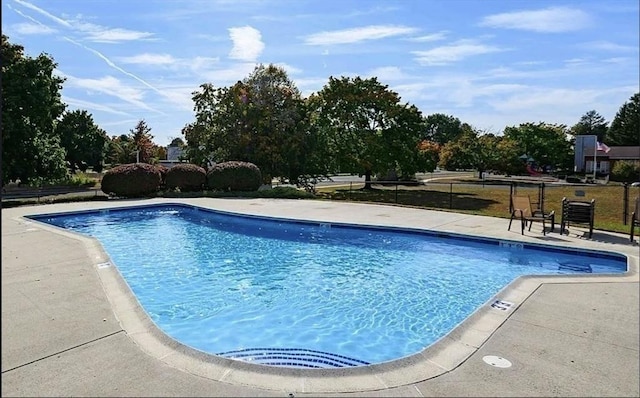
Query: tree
[
  {"x": 366, "y": 128},
  {"x": 261, "y": 119},
  {"x": 84, "y": 142},
  {"x": 460, "y": 153},
  {"x": 625, "y": 128},
  {"x": 31, "y": 103},
  {"x": 591, "y": 123},
  {"x": 442, "y": 128},
  {"x": 482, "y": 152},
  {"x": 142, "y": 142},
  {"x": 546, "y": 143},
  {"x": 121, "y": 150},
  {"x": 179, "y": 142}
]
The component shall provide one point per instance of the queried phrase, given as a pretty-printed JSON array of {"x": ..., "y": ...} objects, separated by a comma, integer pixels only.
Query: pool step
[{"x": 293, "y": 357}]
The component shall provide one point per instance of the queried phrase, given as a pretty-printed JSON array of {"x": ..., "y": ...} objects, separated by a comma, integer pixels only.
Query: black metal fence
[{"x": 613, "y": 201}]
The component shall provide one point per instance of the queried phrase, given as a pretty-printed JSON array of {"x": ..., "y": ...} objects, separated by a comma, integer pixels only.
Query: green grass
[{"x": 493, "y": 200}]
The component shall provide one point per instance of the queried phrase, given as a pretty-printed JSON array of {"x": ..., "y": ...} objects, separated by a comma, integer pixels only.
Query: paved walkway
[{"x": 69, "y": 327}]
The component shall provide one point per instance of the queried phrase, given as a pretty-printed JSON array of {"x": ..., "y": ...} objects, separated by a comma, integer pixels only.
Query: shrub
[
  {"x": 625, "y": 171},
  {"x": 163, "y": 174},
  {"x": 131, "y": 180},
  {"x": 186, "y": 177},
  {"x": 234, "y": 176}
]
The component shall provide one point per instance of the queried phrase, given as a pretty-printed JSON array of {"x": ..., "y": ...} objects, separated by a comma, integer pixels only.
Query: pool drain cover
[
  {"x": 293, "y": 358},
  {"x": 498, "y": 362}
]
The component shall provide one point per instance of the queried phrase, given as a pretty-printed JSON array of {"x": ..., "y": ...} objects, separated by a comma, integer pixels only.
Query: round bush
[
  {"x": 625, "y": 171},
  {"x": 186, "y": 177},
  {"x": 131, "y": 180},
  {"x": 234, "y": 176}
]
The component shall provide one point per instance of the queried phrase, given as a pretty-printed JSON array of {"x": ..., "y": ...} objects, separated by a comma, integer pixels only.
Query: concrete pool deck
[{"x": 70, "y": 327}]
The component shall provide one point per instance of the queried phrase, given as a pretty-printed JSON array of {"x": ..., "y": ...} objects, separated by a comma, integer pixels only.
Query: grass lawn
[{"x": 493, "y": 200}]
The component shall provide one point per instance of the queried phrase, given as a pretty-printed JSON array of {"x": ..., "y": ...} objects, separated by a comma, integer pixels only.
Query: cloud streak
[
  {"x": 32, "y": 29},
  {"x": 454, "y": 52},
  {"x": 547, "y": 20},
  {"x": 92, "y": 106},
  {"x": 355, "y": 35},
  {"x": 91, "y": 32},
  {"x": 149, "y": 59}
]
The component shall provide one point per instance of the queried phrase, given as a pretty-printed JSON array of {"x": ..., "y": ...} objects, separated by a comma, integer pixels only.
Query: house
[{"x": 585, "y": 152}]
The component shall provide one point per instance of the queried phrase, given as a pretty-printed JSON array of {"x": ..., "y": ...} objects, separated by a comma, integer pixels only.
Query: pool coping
[{"x": 441, "y": 357}]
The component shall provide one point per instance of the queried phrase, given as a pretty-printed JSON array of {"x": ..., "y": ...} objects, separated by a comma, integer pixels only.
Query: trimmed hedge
[
  {"x": 186, "y": 177},
  {"x": 234, "y": 176},
  {"x": 163, "y": 174},
  {"x": 131, "y": 180}
]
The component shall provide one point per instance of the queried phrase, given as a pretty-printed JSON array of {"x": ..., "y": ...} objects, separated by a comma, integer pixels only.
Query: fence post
[
  {"x": 396, "y": 192},
  {"x": 450, "y": 195},
  {"x": 511, "y": 191},
  {"x": 541, "y": 197},
  {"x": 350, "y": 187},
  {"x": 625, "y": 203}
]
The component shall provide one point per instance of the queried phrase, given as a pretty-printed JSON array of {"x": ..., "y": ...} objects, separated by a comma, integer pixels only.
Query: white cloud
[
  {"x": 199, "y": 63},
  {"x": 45, "y": 13},
  {"x": 388, "y": 73},
  {"x": 608, "y": 46},
  {"x": 427, "y": 38},
  {"x": 100, "y": 34},
  {"x": 92, "y": 106},
  {"x": 247, "y": 43},
  {"x": 291, "y": 70},
  {"x": 354, "y": 35},
  {"x": 32, "y": 29},
  {"x": 95, "y": 33},
  {"x": 224, "y": 77},
  {"x": 547, "y": 20},
  {"x": 149, "y": 59},
  {"x": 454, "y": 52},
  {"x": 111, "y": 86}
]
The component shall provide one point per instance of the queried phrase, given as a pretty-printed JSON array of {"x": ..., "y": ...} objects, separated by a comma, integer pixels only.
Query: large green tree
[
  {"x": 84, "y": 142},
  {"x": 591, "y": 123},
  {"x": 261, "y": 119},
  {"x": 546, "y": 143},
  {"x": 31, "y": 103},
  {"x": 442, "y": 128},
  {"x": 625, "y": 128},
  {"x": 121, "y": 150},
  {"x": 367, "y": 129}
]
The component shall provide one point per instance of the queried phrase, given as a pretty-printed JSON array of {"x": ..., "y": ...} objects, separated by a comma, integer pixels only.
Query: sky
[{"x": 490, "y": 63}]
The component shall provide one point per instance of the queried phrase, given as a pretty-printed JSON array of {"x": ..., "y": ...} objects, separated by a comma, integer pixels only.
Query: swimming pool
[{"x": 308, "y": 294}]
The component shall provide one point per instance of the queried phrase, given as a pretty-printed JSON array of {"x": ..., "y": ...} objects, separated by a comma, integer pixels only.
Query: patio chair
[
  {"x": 635, "y": 219},
  {"x": 521, "y": 208}
]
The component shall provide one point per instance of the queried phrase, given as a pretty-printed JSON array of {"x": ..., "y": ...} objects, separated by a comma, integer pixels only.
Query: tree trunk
[{"x": 367, "y": 179}]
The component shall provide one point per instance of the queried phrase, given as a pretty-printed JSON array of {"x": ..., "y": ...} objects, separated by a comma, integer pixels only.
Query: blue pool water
[{"x": 308, "y": 294}]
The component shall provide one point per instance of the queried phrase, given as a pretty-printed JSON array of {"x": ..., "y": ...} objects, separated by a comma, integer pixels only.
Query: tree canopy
[
  {"x": 366, "y": 128},
  {"x": 142, "y": 142},
  {"x": 261, "y": 119},
  {"x": 546, "y": 143},
  {"x": 442, "y": 128},
  {"x": 591, "y": 123},
  {"x": 625, "y": 128},
  {"x": 31, "y": 103},
  {"x": 84, "y": 142}
]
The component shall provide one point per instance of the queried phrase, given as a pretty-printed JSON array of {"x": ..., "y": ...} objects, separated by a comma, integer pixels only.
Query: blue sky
[{"x": 490, "y": 63}]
